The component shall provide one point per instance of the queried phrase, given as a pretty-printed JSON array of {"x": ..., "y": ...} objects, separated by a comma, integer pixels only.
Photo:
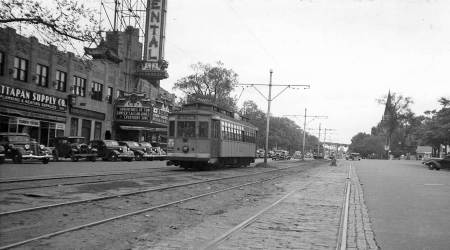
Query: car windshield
[
  {"x": 133, "y": 144},
  {"x": 76, "y": 140},
  {"x": 111, "y": 143},
  {"x": 146, "y": 144},
  {"x": 18, "y": 138}
]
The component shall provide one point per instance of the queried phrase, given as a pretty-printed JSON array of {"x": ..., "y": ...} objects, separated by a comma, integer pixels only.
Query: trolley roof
[{"x": 199, "y": 108}]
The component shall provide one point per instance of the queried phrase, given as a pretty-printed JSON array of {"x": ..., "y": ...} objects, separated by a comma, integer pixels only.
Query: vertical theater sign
[{"x": 153, "y": 67}]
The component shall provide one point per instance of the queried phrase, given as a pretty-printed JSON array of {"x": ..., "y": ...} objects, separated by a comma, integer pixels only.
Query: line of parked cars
[{"x": 19, "y": 147}]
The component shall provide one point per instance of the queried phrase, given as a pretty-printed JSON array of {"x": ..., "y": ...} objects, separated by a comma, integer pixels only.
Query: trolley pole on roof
[{"x": 269, "y": 101}]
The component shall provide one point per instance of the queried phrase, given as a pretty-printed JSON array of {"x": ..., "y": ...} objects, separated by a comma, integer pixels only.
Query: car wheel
[
  {"x": 113, "y": 157},
  {"x": 74, "y": 157},
  {"x": 93, "y": 159},
  {"x": 138, "y": 157},
  {"x": 55, "y": 155},
  {"x": 45, "y": 160},
  {"x": 130, "y": 159},
  {"x": 17, "y": 158}
]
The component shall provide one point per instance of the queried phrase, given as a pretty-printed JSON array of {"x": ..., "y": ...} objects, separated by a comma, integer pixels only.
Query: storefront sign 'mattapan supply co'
[{"x": 24, "y": 96}]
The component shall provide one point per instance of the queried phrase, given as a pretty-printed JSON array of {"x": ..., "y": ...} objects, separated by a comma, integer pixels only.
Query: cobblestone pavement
[
  {"x": 308, "y": 219},
  {"x": 360, "y": 233}
]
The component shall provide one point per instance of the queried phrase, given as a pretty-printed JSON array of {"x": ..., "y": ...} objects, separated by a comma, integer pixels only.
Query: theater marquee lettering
[
  {"x": 19, "y": 95},
  {"x": 134, "y": 113}
]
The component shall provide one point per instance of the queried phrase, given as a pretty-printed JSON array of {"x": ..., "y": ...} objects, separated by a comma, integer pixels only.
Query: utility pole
[
  {"x": 318, "y": 143},
  {"x": 269, "y": 100},
  {"x": 304, "y": 128}
]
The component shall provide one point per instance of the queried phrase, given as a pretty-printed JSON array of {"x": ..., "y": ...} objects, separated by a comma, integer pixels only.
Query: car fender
[
  {"x": 115, "y": 152},
  {"x": 434, "y": 163}
]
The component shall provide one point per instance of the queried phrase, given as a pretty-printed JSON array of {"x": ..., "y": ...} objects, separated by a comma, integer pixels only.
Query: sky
[{"x": 351, "y": 52}]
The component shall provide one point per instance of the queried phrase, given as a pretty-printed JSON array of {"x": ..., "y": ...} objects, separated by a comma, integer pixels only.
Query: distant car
[
  {"x": 73, "y": 147},
  {"x": 159, "y": 153},
  {"x": 19, "y": 147},
  {"x": 140, "y": 152},
  {"x": 260, "y": 153},
  {"x": 281, "y": 155},
  {"x": 354, "y": 157},
  {"x": 110, "y": 150},
  {"x": 297, "y": 155},
  {"x": 437, "y": 163}
]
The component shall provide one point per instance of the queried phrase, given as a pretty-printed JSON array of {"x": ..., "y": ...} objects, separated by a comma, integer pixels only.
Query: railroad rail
[{"x": 20, "y": 243}]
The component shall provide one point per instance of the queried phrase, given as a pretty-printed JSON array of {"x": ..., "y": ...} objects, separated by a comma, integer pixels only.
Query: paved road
[{"x": 409, "y": 205}]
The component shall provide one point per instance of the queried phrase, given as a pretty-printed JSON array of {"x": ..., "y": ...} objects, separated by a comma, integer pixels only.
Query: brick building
[{"x": 46, "y": 93}]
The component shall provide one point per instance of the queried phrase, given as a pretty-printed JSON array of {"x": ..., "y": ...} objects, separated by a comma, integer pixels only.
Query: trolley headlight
[
  {"x": 41, "y": 147},
  {"x": 185, "y": 149},
  {"x": 27, "y": 146}
]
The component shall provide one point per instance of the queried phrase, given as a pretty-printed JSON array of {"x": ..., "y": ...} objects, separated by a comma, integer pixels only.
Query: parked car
[
  {"x": 297, "y": 155},
  {"x": 438, "y": 163},
  {"x": 111, "y": 150},
  {"x": 140, "y": 152},
  {"x": 2, "y": 154},
  {"x": 260, "y": 153},
  {"x": 281, "y": 155},
  {"x": 19, "y": 147},
  {"x": 73, "y": 147}
]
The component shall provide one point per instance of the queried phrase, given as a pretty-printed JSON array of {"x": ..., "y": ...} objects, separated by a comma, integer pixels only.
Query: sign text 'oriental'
[{"x": 154, "y": 29}]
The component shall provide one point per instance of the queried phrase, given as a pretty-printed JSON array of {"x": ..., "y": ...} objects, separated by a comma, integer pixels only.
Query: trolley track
[
  {"x": 24, "y": 186},
  {"x": 19, "y": 214}
]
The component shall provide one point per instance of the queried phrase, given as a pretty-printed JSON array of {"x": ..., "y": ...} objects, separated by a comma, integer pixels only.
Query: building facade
[{"x": 47, "y": 93}]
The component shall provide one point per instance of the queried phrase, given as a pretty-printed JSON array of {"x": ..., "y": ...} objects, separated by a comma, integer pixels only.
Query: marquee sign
[
  {"x": 154, "y": 32},
  {"x": 133, "y": 107},
  {"x": 27, "y": 97}
]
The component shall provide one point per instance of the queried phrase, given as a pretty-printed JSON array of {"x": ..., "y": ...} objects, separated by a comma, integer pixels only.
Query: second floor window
[
  {"x": 97, "y": 91},
  {"x": 109, "y": 95},
  {"x": 20, "y": 69},
  {"x": 41, "y": 78},
  {"x": 2, "y": 63},
  {"x": 61, "y": 79},
  {"x": 79, "y": 86}
]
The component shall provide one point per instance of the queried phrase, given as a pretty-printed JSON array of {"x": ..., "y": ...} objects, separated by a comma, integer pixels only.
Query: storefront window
[
  {"x": 20, "y": 69},
  {"x": 86, "y": 129},
  {"x": 61, "y": 79},
  {"x": 74, "y": 126},
  {"x": 41, "y": 78},
  {"x": 98, "y": 131}
]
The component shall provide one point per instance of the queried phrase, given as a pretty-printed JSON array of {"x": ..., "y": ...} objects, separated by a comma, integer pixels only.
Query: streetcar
[{"x": 203, "y": 136}]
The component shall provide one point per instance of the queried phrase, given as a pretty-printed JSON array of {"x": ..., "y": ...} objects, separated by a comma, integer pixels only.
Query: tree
[
  {"x": 214, "y": 82},
  {"x": 436, "y": 127},
  {"x": 57, "y": 21}
]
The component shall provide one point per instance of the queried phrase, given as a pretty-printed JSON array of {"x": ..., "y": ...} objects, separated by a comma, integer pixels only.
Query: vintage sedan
[
  {"x": 154, "y": 153},
  {"x": 140, "y": 152},
  {"x": 73, "y": 147},
  {"x": 19, "y": 147},
  {"x": 438, "y": 163},
  {"x": 111, "y": 150}
]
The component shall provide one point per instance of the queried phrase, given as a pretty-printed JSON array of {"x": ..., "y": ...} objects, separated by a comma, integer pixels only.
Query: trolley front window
[
  {"x": 172, "y": 128},
  {"x": 186, "y": 129},
  {"x": 203, "y": 129}
]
